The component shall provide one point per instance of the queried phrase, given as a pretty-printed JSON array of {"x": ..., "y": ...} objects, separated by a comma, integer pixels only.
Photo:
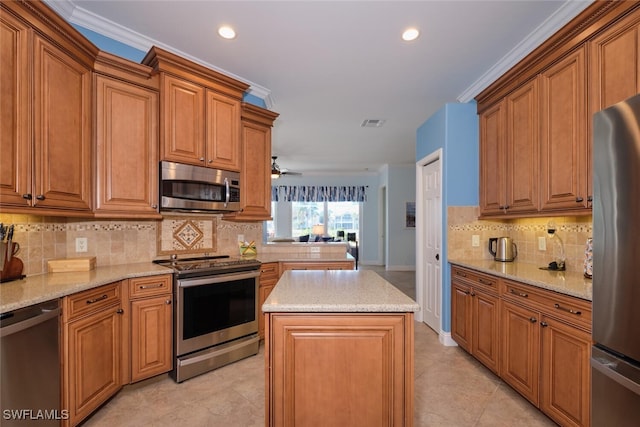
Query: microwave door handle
[{"x": 227, "y": 192}]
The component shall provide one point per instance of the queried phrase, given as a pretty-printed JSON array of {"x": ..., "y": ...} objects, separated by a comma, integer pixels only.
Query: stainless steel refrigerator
[{"x": 615, "y": 357}]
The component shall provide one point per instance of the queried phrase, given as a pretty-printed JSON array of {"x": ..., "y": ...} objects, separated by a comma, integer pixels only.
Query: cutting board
[{"x": 71, "y": 264}]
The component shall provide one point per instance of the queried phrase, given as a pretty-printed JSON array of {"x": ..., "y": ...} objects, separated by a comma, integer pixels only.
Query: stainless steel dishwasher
[{"x": 30, "y": 364}]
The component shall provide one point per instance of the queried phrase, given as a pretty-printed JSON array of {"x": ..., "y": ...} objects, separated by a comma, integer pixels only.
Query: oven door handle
[{"x": 220, "y": 278}]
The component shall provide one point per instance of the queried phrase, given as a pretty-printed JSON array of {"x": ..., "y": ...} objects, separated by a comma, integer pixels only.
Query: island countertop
[{"x": 337, "y": 291}]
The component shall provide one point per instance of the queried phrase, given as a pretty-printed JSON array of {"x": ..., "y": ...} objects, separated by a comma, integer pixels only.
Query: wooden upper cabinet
[
  {"x": 509, "y": 154},
  {"x": 200, "y": 110},
  {"x": 615, "y": 63},
  {"x": 566, "y": 174},
  {"x": 492, "y": 159},
  {"x": 126, "y": 142},
  {"x": 255, "y": 171},
  {"x": 46, "y": 114},
  {"x": 522, "y": 149},
  {"x": 183, "y": 121},
  {"x": 222, "y": 132}
]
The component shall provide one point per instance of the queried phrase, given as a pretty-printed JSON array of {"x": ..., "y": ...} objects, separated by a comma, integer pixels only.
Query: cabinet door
[
  {"x": 492, "y": 160},
  {"x": 151, "y": 336},
  {"x": 15, "y": 108},
  {"x": 358, "y": 364},
  {"x": 223, "y": 132},
  {"x": 564, "y": 143},
  {"x": 520, "y": 364},
  {"x": 566, "y": 373},
  {"x": 182, "y": 111},
  {"x": 62, "y": 131},
  {"x": 255, "y": 187},
  {"x": 126, "y": 149},
  {"x": 485, "y": 344},
  {"x": 461, "y": 309},
  {"x": 92, "y": 362},
  {"x": 615, "y": 63},
  {"x": 522, "y": 147}
]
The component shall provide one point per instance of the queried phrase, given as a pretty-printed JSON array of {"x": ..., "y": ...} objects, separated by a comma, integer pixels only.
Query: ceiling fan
[{"x": 276, "y": 171}]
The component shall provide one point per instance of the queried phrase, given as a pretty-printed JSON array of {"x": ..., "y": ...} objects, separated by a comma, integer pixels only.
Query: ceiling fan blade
[{"x": 288, "y": 172}]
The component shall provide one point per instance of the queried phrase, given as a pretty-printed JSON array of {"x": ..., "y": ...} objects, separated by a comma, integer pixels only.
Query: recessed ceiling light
[
  {"x": 226, "y": 32},
  {"x": 410, "y": 34}
]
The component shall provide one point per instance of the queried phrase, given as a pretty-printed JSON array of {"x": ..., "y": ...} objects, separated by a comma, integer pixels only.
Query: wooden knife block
[{"x": 12, "y": 266}]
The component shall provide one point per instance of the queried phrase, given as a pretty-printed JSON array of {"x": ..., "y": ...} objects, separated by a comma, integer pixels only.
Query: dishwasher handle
[{"x": 45, "y": 314}]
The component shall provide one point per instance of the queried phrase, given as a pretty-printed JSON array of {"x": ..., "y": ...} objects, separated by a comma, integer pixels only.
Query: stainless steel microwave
[{"x": 192, "y": 188}]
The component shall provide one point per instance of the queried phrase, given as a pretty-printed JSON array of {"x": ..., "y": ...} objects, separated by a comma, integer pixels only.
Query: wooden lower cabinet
[
  {"x": 269, "y": 275},
  {"x": 359, "y": 365},
  {"x": 537, "y": 341},
  {"x": 92, "y": 350},
  {"x": 151, "y": 326}
]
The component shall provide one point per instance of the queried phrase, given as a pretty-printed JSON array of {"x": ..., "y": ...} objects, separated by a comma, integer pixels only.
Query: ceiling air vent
[{"x": 372, "y": 123}]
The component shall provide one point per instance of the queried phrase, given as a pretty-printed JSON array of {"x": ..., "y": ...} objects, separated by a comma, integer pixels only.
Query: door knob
[{"x": 437, "y": 257}]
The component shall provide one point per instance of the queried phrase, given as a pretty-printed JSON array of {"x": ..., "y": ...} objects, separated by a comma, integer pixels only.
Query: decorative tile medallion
[{"x": 187, "y": 235}]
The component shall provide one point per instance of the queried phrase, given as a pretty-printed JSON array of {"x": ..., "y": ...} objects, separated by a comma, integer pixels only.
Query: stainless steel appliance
[
  {"x": 195, "y": 188},
  {"x": 215, "y": 314},
  {"x": 615, "y": 358},
  {"x": 503, "y": 249},
  {"x": 30, "y": 360}
]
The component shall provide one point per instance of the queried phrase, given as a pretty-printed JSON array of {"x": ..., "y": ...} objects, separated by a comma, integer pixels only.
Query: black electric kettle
[{"x": 503, "y": 249}]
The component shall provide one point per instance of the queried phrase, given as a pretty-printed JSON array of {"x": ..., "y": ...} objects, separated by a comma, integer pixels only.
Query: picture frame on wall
[{"x": 410, "y": 215}]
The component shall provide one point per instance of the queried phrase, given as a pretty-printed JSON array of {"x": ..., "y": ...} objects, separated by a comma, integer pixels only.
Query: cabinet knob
[
  {"x": 533, "y": 320},
  {"x": 40, "y": 197},
  {"x": 154, "y": 206},
  {"x": 27, "y": 196},
  {"x": 168, "y": 302},
  {"x": 544, "y": 324},
  {"x": 579, "y": 199},
  {"x": 120, "y": 311},
  {"x": 589, "y": 198},
  {"x": 473, "y": 294},
  {"x": 210, "y": 161},
  {"x": 202, "y": 159}
]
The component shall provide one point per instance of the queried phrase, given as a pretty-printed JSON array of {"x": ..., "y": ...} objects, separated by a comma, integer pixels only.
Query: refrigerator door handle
[{"x": 608, "y": 369}]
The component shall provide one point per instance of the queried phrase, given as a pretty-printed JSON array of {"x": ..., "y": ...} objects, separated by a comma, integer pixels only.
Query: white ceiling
[{"x": 326, "y": 66}]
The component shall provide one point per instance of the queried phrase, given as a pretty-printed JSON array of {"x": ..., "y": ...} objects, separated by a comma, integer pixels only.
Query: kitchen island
[{"x": 339, "y": 350}]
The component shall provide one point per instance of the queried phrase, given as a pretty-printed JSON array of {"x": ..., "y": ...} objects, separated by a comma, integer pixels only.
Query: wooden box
[{"x": 71, "y": 264}]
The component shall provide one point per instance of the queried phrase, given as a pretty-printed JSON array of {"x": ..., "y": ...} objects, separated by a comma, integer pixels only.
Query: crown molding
[
  {"x": 80, "y": 16},
  {"x": 550, "y": 26}
]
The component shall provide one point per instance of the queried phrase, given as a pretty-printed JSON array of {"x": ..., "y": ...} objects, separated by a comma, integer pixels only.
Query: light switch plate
[
  {"x": 475, "y": 240},
  {"x": 542, "y": 243}
]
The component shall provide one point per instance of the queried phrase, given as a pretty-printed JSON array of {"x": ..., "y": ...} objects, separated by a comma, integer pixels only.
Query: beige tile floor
[{"x": 451, "y": 390}]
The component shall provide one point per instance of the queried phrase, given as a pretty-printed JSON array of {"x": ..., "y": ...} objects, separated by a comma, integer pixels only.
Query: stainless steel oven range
[{"x": 215, "y": 313}]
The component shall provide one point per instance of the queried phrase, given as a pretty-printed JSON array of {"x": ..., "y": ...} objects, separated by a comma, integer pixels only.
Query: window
[{"x": 295, "y": 219}]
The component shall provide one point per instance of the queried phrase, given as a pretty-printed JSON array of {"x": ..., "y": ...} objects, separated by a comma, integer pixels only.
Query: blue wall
[{"x": 454, "y": 128}]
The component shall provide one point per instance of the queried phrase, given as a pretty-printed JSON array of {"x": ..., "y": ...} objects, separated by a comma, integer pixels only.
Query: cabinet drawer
[
  {"x": 149, "y": 286},
  {"x": 92, "y": 300},
  {"x": 269, "y": 271},
  {"x": 475, "y": 279},
  {"x": 572, "y": 310}
]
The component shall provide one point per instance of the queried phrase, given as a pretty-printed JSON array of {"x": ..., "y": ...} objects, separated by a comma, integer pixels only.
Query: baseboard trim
[{"x": 446, "y": 340}]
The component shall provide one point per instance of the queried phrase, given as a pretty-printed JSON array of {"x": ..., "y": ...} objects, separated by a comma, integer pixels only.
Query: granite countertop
[
  {"x": 45, "y": 287},
  {"x": 337, "y": 291},
  {"x": 564, "y": 282},
  {"x": 303, "y": 256}
]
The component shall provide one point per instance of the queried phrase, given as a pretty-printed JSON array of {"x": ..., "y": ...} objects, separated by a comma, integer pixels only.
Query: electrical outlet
[
  {"x": 81, "y": 244},
  {"x": 542, "y": 243},
  {"x": 475, "y": 240},
  {"x": 240, "y": 237}
]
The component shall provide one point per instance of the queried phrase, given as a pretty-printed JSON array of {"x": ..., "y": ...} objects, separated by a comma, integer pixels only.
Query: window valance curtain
[{"x": 318, "y": 193}]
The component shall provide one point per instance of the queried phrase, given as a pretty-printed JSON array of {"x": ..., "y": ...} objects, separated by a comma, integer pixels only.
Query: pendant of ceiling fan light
[{"x": 275, "y": 169}]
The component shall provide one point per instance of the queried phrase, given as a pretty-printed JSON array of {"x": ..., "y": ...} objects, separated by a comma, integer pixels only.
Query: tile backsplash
[
  {"x": 110, "y": 241},
  {"x": 463, "y": 223}
]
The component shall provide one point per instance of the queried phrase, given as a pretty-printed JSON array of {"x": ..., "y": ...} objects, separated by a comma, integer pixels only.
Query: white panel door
[{"x": 432, "y": 200}]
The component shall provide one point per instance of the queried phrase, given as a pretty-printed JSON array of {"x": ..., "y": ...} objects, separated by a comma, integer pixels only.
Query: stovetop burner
[{"x": 209, "y": 265}]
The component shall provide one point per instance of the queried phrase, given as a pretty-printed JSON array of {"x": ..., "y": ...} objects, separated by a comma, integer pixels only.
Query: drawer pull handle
[
  {"x": 91, "y": 301},
  {"x": 466, "y": 292},
  {"x": 520, "y": 294},
  {"x": 568, "y": 310},
  {"x": 544, "y": 324},
  {"x": 533, "y": 320},
  {"x": 460, "y": 273},
  {"x": 473, "y": 294},
  {"x": 154, "y": 286},
  {"x": 484, "y": 282},
  {"x": 120, "y": 311}
]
